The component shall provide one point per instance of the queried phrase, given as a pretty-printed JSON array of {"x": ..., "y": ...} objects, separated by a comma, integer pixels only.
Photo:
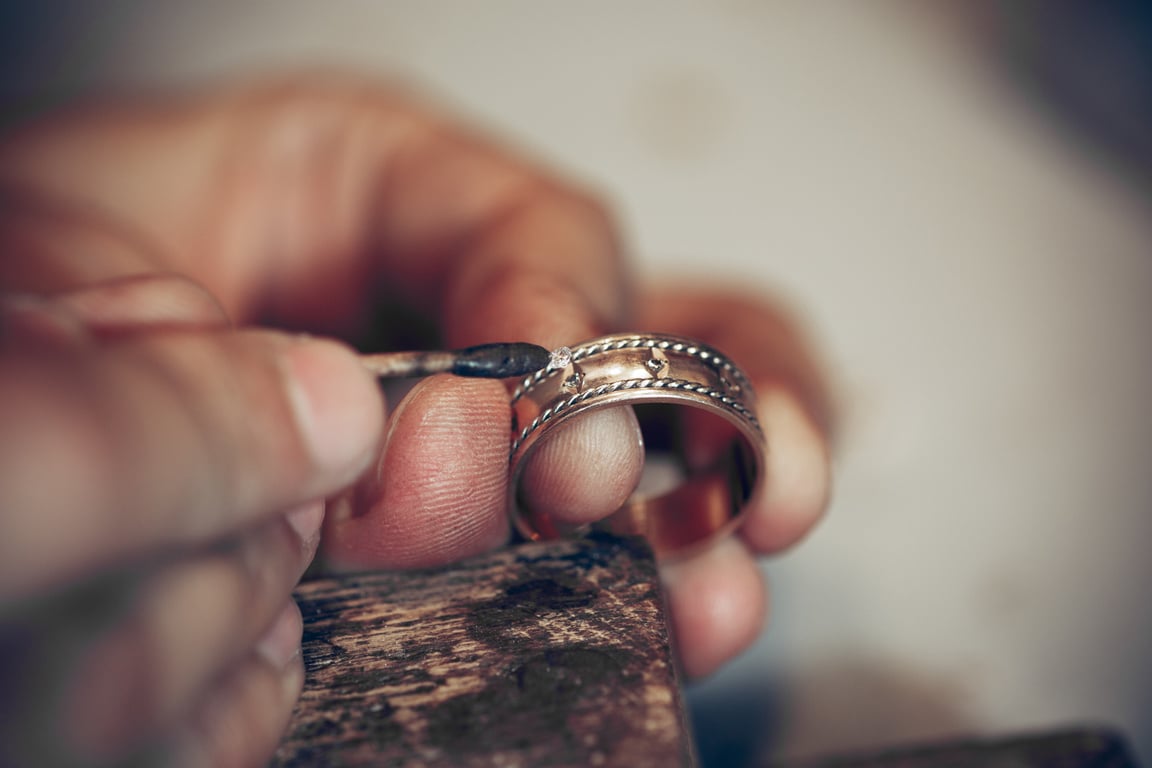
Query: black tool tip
[{"x": 500, "y": 361}]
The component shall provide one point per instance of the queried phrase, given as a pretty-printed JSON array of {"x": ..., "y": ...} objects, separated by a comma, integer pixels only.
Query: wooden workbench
[{"x": 542, "y": 654}]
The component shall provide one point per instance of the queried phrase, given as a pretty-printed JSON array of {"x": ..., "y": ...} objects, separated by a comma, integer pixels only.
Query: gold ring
[{"x": 704, "y": 448}]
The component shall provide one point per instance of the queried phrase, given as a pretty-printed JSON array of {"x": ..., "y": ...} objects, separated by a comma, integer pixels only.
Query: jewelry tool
[{"x": 485, "y": 361}]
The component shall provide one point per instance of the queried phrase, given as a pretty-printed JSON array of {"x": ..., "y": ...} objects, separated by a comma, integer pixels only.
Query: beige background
[{"x": 978, "y": 279}]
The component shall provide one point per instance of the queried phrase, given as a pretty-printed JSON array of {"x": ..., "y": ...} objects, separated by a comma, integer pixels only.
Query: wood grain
[{"x": 542, "y": 654}]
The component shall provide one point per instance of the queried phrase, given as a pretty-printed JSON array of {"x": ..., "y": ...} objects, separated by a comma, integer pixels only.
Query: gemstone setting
[{"x": 561, "y": 358}]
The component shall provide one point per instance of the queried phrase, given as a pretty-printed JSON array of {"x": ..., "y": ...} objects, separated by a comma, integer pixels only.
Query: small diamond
[
  {"x": 574, "y": 382},
  {"x": 657, "y": 364},
  {"x": 561, "y": 358}
]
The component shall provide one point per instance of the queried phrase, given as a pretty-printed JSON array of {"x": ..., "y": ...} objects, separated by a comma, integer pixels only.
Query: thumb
[{"x": 164, "y": 440}]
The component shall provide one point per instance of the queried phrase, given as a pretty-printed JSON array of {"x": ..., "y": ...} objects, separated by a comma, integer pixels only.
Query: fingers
[
  {"x": 288, "y": 200},
  {"x": 100, "y": 672},
  {"x": 545, "y": 267},
  {"x": 106, "y": 309},
  {"x": 587, "y": 469},
  {"x": 793, "y": 406},
  {"x": 168, "y": 440},
  {"x": 718, "y": 604},
  {"x": 717, "y": 598},
  {"x": 55, "y": 243},
  {"x": 798, "y": 482},
  {"x": 143, "y": 302},
  {"x": 241, "y": 722},
  {"x": 534, "y": 260},
  {"x": 505, "y": 253},
  {"x": 505, "y": 288},
  {"x": 438, "y": 491},
  {"x": 191, "y": 623},
  {"x": 550, "y": 267}
]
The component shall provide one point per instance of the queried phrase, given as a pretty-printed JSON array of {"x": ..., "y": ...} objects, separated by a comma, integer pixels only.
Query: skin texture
[{"x": 146, "y": 252}]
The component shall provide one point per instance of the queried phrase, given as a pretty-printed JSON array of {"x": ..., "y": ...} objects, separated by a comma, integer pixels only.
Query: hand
[
  {"x": 151, "y": 448},
  {"x": 161, "y": 491}
]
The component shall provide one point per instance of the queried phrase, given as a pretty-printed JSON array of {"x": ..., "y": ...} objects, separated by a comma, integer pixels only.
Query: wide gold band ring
[{"x": 704, "y": 448}]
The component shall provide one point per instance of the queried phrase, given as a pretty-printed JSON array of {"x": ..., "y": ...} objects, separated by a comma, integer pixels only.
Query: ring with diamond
[{"x": 704, "y": 448}]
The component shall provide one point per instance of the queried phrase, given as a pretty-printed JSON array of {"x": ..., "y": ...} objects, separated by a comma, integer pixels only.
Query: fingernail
[
  {"x": 281, "y": 641},
  {"x": 25, "y": 317},
  {"x": 798, "y": 475},
  {"x": 337, "y": 406},
  {"x": 306, "y": 520}
]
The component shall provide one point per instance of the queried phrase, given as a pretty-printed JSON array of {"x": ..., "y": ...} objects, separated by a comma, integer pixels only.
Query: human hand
[
  {"x": 153, "y": 230},
  {"x": 161, "y": 491}
]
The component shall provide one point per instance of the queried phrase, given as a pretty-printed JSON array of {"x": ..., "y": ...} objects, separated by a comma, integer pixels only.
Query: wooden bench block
[{"x": 541, "y": 654}]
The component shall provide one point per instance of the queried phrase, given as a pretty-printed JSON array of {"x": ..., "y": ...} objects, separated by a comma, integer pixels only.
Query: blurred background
[{"x": 955, "y": 199}]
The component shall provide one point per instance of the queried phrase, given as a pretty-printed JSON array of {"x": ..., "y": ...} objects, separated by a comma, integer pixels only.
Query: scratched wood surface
[{"x": 539, "y": 655}]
